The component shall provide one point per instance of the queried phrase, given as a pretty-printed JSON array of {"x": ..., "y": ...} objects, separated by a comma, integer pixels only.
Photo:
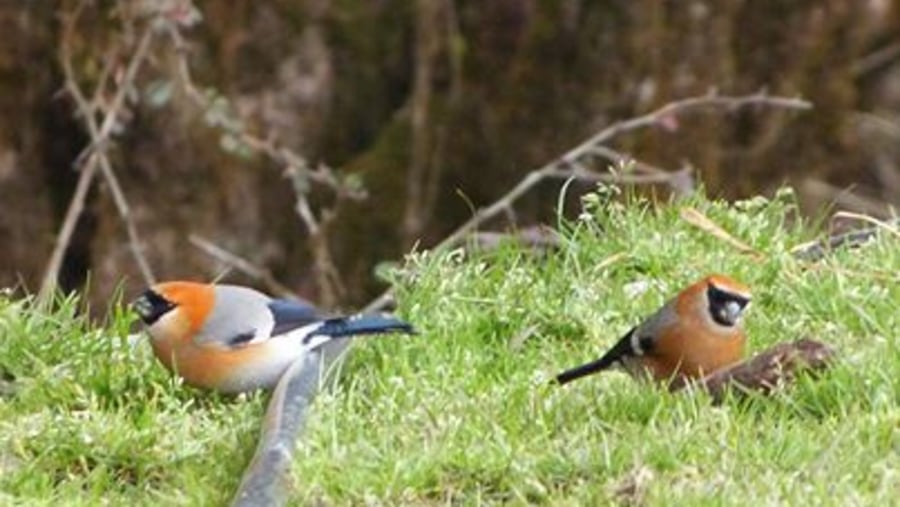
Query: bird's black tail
[
  {"x": 615, "y": 355},
  {"x": 342, "y": 327},
  {"x": 585, "y": 369}
]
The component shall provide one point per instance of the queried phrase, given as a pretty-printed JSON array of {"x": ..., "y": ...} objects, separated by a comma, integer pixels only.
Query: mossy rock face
[{"x": 514, "y": 84}]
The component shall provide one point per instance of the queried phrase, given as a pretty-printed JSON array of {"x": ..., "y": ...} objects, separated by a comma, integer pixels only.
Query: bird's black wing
[
  {"x": 342, "y": 327},
  {"x": 291, "y": 314}
]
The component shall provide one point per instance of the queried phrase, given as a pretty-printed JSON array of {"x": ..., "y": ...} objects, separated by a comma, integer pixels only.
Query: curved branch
[
  {"x": 97, "y": 159},
  {"x": 593, "y": 147},
  {"x": 266, "y": 480}
]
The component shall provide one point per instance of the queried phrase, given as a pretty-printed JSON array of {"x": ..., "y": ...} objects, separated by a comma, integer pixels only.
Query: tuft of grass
[
  {"x": 88, "y": 417},
  {"x": 464, "y": 414}
]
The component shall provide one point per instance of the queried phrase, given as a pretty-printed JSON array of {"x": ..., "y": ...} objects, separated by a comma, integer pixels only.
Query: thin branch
[
  {"x": 816, "y": 250},
  {"x": 297, "y": 169},
  {"x": 878, "y": 59},
  {"x": 267, "y": 146},
  {"x": 844, "y": 197},
  {"x": 97, "y": 157},
  {"x": 589, "y": 146},
  {"x": 711, "y": 100},
  {"x": 384, "y": 300},
  {"x": 305, "y": 213},
  {"x": 879, "y": 224},
  {"x": 76, "y": 204},
  {"x": 328, "y": 278},
  {"x": 570, "y": 163},
  {"x": 705, "y": 224},
  {"x": 73, "y": 212},
  {"x": 134, "y": 240},
  {"x": 100, "y": 135},
  {"x": 680, "y": 181},
  {"x": 584, "y": 174},
  {"x": 241, "y": 264}
]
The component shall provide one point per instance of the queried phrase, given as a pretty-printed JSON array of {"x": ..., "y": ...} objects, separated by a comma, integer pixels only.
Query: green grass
[{"x": 462, "y": 414}]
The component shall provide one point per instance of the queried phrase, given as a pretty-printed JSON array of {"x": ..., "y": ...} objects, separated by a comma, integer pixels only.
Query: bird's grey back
[
  {"x": 654, "y": 324},
  {"x": 237, "y": 311}
]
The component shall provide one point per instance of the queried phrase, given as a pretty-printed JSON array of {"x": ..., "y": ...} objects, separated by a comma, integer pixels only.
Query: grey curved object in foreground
[{"x": 266, "y": 480}]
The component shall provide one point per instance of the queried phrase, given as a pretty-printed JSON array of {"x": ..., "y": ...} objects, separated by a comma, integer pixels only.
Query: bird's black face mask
[
  {"x": 150, "y": 306},
  {"x": 725, "y": 307}
]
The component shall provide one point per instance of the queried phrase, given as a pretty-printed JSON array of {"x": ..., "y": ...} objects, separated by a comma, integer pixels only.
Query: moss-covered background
[{"x": 497, "y": 88}]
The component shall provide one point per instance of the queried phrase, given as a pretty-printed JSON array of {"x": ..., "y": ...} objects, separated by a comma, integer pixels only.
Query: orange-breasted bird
[
  {"x": 697, "y": 332},
  {"x": 235, "y": 339}
]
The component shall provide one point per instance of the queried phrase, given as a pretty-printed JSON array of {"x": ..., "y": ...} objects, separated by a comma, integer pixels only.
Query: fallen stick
[
  {"x": 816, "y": 250},
  {"x": 267, "y": 480},
  {"x": 763, "y": 373}
]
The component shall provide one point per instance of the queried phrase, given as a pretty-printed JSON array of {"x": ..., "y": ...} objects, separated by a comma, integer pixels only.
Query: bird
[
  {"x": 695, "y": 333},
  {"x": 235, "y": 339}
]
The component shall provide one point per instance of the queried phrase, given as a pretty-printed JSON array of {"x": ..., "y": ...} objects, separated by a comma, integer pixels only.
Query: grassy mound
[{"x": 464, "y": 414}]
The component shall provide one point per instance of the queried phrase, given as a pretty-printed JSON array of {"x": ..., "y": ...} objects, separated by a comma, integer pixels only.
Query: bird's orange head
[
  {"x": 721, "y": 298},
  {"x": 173, "y": 310}
]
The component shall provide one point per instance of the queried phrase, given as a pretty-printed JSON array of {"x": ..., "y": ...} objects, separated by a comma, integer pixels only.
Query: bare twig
[
  {"x": 536, "y": 238},
  {"x": 73, "y": 212},
  {"x": 571, "y": 163},
  {"x": 816, "y": 250},
  {"x": 844, "y": 197},
  {"x": 97, "y": 158},
  {"x": 292, "y": 161},
  {"x": 681, "y": 181},
  {"x": 99, "y": 136},
  {"x": 877, "y": 59},
  {"x": 889, "y": 226},
  {"x": 297, "y": 169},
  {"x": 241, "y": 264},
  {"x": 711, "y": 100},
  {"x": 384, "y": 300},
  {"x": 702, "y": 222},
  {"x": 328, "y": 278},
  {"x": 584, "y": 174},
  {"x": 134, "y": 241},
  {"x": 588, "y": 147}
]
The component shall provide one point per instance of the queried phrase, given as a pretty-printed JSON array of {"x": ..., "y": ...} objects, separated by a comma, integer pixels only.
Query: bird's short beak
[
  {"x": 143, "y": 307},
  {"x": 733, "y": 311}
]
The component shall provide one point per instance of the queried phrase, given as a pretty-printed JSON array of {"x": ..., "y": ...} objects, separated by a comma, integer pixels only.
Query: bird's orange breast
[
  {"x": 207, "y": 367},
  {"x": 693, "y": 351}
]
